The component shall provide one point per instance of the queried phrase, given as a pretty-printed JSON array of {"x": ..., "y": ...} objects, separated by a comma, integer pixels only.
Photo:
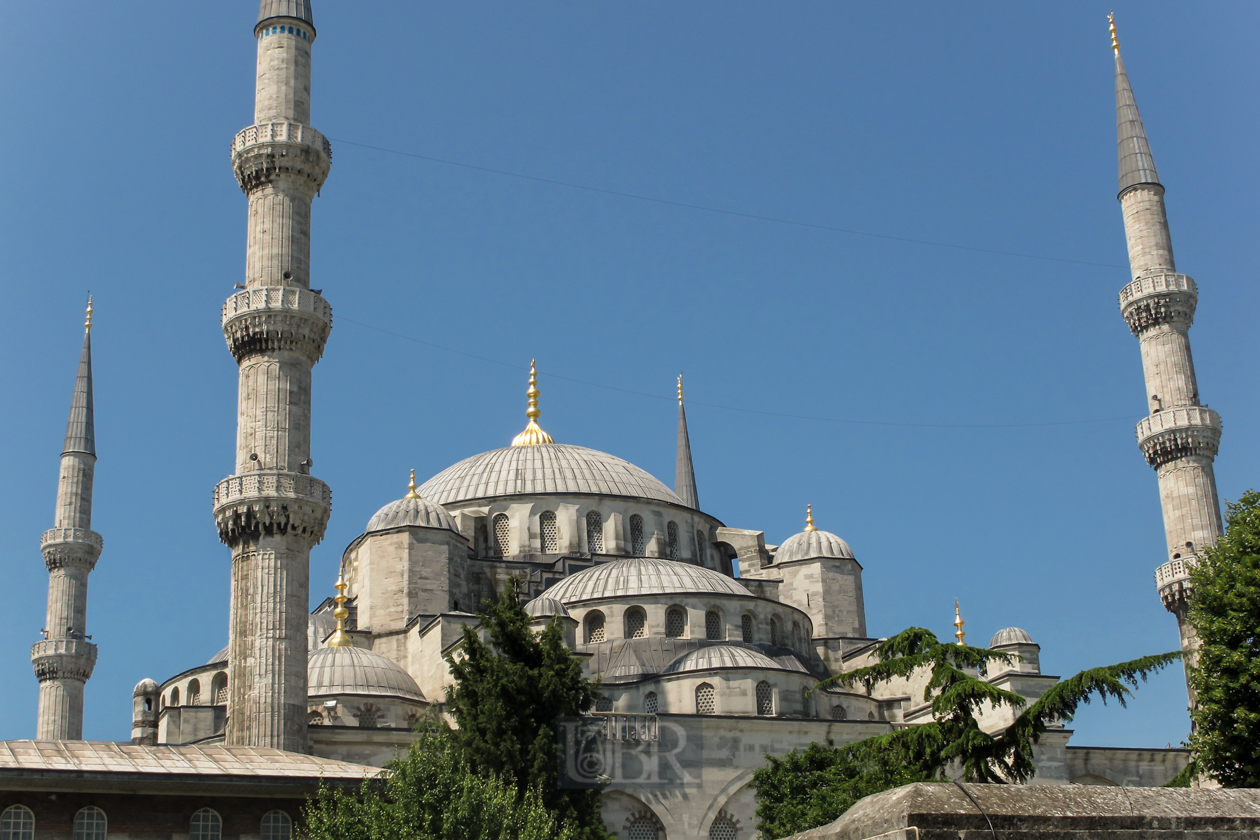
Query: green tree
[
  {"x": 952, "y": 741},
  {"x": 1225, "y": 612}
]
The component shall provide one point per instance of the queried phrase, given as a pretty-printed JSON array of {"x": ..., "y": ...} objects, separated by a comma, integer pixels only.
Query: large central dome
[{"x": 544, "y": 468}]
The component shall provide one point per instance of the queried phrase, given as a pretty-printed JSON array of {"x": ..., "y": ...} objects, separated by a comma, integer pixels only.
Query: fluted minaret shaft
[
  {"x": 272, "y": 511},
  {"x": 1180, "y": 437},
  {"x": 684, "y": 471},
  {"x": 64, "y": 660}
]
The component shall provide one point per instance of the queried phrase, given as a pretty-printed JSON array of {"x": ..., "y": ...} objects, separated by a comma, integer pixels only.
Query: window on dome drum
[
  {"x": 713, "y": 627},
  {"x": 90, "y": 824},
  {"x": 603, "y": 704},
  {"x": 595, "y": 532},
  {"x": 722, "y": 829},
  {"x": 700, "y": 544},
  {"x": 838, "y": 713},
  {"x": 650, "y": 703},
  {"x": 594, "y": 627},
  {"x": 17, "y": 823},
  {"x": 501, "y": 534},
  {"x": 219, "y": 689},
  {"x": 550, "y": 534},
  {"x": 276, "y": 825},
  {"x": 636, "y": 623},
  {"x": 671, "y": 532},
  {"x": 675, "y": 622},
  {"x": 706, "y": 700},
  {"x": 765, "y": 699},
  {"x": 774, "y": 630},
  {"x": 174, "y": 696},
  {"x": 194, "y": 693},
  {"x": 642, "y": 829},
  {"x": 746, "y": 625},
  {"x": 205, "y": 824},
  {"x": 637, "y": 545}
]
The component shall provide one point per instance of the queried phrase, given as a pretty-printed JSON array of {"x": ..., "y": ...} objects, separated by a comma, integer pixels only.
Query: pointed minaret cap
[
  {"x": 533, "y": 434},
  {"x": 684, "y": 469},
  {"x": 299, "y": 9},
  {"x": 81, "y": 427},
  {"x": 1137, "y": 164},
  {"x": 340, "y": 638},
  {"x": 958, "y": 625}
]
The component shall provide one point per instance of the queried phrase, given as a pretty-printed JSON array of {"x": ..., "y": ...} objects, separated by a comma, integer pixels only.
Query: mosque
[{"x": 709, "y": 642}]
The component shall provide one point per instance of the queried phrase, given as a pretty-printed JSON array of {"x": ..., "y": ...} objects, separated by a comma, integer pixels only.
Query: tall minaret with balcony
[
  {"x": 271, "y": 512},
  {"x": 65, "y": 658},
  {"x": 1180, "y": 438}
]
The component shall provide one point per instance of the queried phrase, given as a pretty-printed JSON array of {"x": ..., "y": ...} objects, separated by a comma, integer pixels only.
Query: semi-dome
[
  {"x": 812, "y": 543},
  {"x": 544, "y": 468},
  {"x": 1010, "y": 636},
  {"x": 221, "y": 656},
  {"x": 352, "y": 670},
  {"x": 544, "y": 606},
  {"x": 411, "y": 511},
  {"x": 632, "y": 577},
  {"x": 721, "y": 656}
]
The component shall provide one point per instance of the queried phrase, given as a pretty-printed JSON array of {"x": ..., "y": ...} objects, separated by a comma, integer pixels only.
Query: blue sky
[{"x": 973, "y": 412}]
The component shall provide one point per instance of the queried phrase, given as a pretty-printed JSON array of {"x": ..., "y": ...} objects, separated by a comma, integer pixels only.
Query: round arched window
[
  {"x": 671, "y": 534},
  {"x": 675, "y": 622},
  {"x": 638, "y": 545},
  {"x": 706, "y": 699},
  {"x": 713, "y": 627},
  {"x": 642, "y": 828},
  {"x": 636, "y": 623},
  {"x": 90, "y": 824},
  {"x": 595, "y": 532},
  {"x": 650, "y": 703},
  {"x": 17, "y": 823},
  {"x": 276, "y": 825},
  {"x": 765, "y": 699},
  {"x": 722, "y": 829},
  {"x": 550, "y": 533},
  {"x": 594, "y": 627},
  {"x": 501, "y": 535},
  {"x": 205, "y": 824}
]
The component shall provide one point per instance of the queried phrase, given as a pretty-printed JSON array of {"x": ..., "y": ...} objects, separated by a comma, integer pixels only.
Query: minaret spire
[
  {"x": 684, "y": 471},
  {"x": 1180, "y": 437},
  {"x": 64, "y": 660}
]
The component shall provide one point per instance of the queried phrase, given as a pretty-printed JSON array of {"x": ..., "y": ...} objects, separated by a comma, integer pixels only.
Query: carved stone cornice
[
  {"x": 63, "y": 659},
  {"x": 63, "y": 547},
  {"x": 1173, "y": 582},
  {"x": 264, "y": 153},
  {"x": 1159, "y": 299},
  {"x": 277, "y": 318},
  {"x": 1175, "y": 433},
  {"x": 268, "y": 503}
]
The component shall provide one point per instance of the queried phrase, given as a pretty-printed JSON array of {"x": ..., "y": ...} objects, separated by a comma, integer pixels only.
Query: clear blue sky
[{"x": 990, "y": 126}]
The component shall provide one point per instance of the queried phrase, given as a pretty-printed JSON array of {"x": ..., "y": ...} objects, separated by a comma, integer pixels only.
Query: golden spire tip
[
  {"x": 680, "y": 389},
  {"x": 411, "y": 487},
  {"x": 809, "y": 518},
  {"x": 958, "y": 624},
  {"x": 1111, "y": 20},
  {"x": 533, "y": 435},
  {"x": 87, "y": 324},
  {"x": 340, "y": 638}
]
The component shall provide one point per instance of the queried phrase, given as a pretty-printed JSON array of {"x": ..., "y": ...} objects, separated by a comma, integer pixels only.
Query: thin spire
[
  {"x": 533, "y": 434},
  {"x": 411, "y": 487},
  {"x": 81, "y": 428},
  {"x": 958, "y": 625},
  {"x": 1137, "y": 164},
  {"x": 684, "y": 470},
  {"x": 809, "y": 519},
  {"x": 340, "y": 638}
]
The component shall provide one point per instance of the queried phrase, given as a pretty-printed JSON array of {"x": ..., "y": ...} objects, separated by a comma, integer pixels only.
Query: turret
[
  {"x": 65, "y": 658},
  {"x": 684, "y": 472},
  {"x": 144, "y": 713}
]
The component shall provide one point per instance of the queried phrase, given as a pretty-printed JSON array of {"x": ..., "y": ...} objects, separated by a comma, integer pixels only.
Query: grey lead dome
[
  {"x": 1010, "y": 636},
  {"x": 411, "y": 512},
  {"x": 351, "y": 670},
  {"x": 721, "y": 656},
  {"x": 813, "y": 544},
  {"x": 636, "y": 576}
]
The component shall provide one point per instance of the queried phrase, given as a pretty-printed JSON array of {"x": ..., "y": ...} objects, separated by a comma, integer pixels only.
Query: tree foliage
[
  {"x": 1225, "y": 612},
  {"x": 953, "y": 741}
]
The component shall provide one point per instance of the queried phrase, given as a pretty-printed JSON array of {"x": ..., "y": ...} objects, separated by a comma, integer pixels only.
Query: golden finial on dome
[
  {"x": 87, "y": 324},
  {"x": 958, "y": 625},
  {"x": 809, "y": 518},
  {"x": 1111, "y": 20},
  {"x": 340, "y": 638},
  {"x": 533, "y": 435},
  {"x": 680, "y": 389},
  {"x": 411, "y": 487}
]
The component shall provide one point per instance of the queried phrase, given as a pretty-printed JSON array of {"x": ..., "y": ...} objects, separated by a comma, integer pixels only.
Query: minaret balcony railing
[
  {"x": 71, "y": 659},
  {"x": 1173, "y": 582},
  {"x": 275, "y": 318},
  {"x": 263, "y": 153},
  {"x": 272, "y": 485},
  {"x": 54, "y": 536},
  {"x": 1155, "y": 300},
  {"x": 281, "y": 132},
  {"x": 1174, "y": 433},
  {"x": 266, "y": 503}
]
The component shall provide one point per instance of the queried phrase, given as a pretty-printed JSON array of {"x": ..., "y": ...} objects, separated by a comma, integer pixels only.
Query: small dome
[
  {"x": 544, "y": 606},
  {"x": 221, "y": 656},
  {"x": 721, "y": 656},
  {"x": 1010, "y": 636},
  {"x": 410, "y": 511},
  {"x": 635, "y": 576},
  {"x": 144, "y": 687},
  {"x": 351, "y": 670},
  {"x": 808, "y": 545}
]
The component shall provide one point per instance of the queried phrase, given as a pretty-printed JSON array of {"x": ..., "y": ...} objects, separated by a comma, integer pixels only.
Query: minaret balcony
[
  {"x": 268, "y": 503},
  {"x": 56, "y": 536},
  {"x": 1155, "y": 300},
  {"x": 1175, "y": 433},
  {"x": 1173, "y": 582},
  {"x": 262, "y": 153},
  {"x": 64, "y": 547},
  {"x": 56, "y": 659},
  {"x": 277, "y": 318}
]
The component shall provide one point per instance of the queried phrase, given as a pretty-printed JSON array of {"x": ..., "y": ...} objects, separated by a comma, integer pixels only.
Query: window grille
[
  {"x": 650, "y": 703},
  {"x": 17, "y": 823},
  {"x": 746, "y": 625},
  {"x": 550, "y": 534},
  {"x": 675, "y": 622},
  {"x": 701, "y": 542},
  {"x": 501, "y": 534},
  {"x": 642, "y": 829},
  {"x": 838, "y": 713},
  {"x": 205, "y": 825},
  {"x": 706, "y": 701},
  {"x": 722, "y": 829},
  {"x": 595, "y": 532},
  {"x": 276, "y": 825},
  {"x": 594, "y": 627},
  {"x": 671, "y": 532},
  {"x": 603, "y": 704},
  {"x": 194, "y": 693},
  {"x": 636, "y": 623},
  {"x": 713, "y": 626},
  {"x": 774, "y": 630},
  {"x": 765, "y": 699},
  {"x": 637, "y": 545},
  {"x": 219, "y": 689},
  {"x": 90, "y": 824},
  {"x": 315, "y": 717}
]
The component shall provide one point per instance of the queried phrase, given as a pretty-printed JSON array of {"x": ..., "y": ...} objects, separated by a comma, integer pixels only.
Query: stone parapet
[
  {"x": 261, "y": 153},
  {"x": 71, "y": 546},
  {"x": 271, "y": 503},
  {"x": 1175, "y": 433},
  {"x": 277, "y": 318},
  {"x": 63, "y": 659},
  {"x": 1156, "y": 300},
  {"x": 1173, "y": 582}
]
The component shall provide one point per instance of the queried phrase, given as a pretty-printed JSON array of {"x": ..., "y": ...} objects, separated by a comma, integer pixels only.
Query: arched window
[
  {"x": 722, "y": 829},
  {"x": 550, "y": 534},
  {"x": 774, "y": 630},
  {"x": 501, "y": 534},
  {"x": 650, "y": 703},
  {"x": 671, "y": 533},
  {"x": 746, "y": 625},
  {"x": 675, "y": 622},
  {"x": 314, "y": 717},
  {"x": 642, "y": 828},
  {"x": 838, "y": 713},
  {"x": 276, "y": 825},
  {"x": 90, "y": 824},
  {"x": 17, "y": 823},
  {"x": 595, "y": 532},
  {"x": 796, "y": 636},
  {"x": 765, "y": 699},
  {"x": 175, "y": 696},
  {"x": 805, "y": 704},
  {"x": 637, "y": 545},
  {"x": 594, "y": 627},
  {"x": 636, "y": 623},
  {"x": 706, "y": 700},
  {"x": 714, "y": 629},
  {"x": 194, "y": 693},
  {"x": 219, "y": 689},
  {"x": 603, "y": 704},
  {"x": 870, "y": 716},
  {"x": 701, "y": 543},
  {"x": 205, "y": 824}
]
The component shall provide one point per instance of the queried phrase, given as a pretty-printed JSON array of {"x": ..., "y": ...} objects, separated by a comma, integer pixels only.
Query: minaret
[
  {"x": 684, "y": 472},
  {"x": 1180, "y": 438},
  {"x": 65, "y": 659},
  {"x": 271, "y": 512}
]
